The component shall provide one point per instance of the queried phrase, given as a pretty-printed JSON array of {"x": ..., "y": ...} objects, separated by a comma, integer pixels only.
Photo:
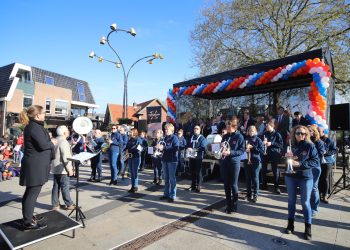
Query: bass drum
[{"x": 212, "y": 139}]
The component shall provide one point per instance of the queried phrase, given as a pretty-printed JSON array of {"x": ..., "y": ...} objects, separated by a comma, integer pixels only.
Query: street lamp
[{"x": 119, "y": 62}]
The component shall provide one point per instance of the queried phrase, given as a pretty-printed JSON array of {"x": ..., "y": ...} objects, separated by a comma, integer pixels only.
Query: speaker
[
  {"x": 339, "y": 117},
  {"x": 142, "y": 125}
]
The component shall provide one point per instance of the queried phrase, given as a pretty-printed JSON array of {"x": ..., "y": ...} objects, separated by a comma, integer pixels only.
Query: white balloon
[
  {"x": 313, "y": 114},
  {"x": 312, "y": 70},
  {"x": 322, "y": 74},
  {"x": 289, "y": 67},
  {"x": 326, "y": 126},
  {"x": 284, "y": 71},
  {"x": 280, "y": 75}
]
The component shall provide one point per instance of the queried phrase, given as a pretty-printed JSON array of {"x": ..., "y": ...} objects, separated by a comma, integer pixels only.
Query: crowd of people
[{"x": 255, "y": 141}]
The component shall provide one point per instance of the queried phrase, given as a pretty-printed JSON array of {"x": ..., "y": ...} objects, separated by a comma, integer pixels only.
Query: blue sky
[{"x": 58, "y": 35}]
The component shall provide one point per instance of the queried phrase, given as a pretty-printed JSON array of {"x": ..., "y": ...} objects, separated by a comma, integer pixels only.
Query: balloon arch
[{"x": 316, "y": 67}]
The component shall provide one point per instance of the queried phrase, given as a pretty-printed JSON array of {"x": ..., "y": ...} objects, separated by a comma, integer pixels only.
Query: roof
[
  {"x": 63, "y": 81},
  {"x": 5, "y": 81},
  {"x": 143, "y": 105},
  {"x": 116, "y": 112},
  {"x": 295, "y": 82}
]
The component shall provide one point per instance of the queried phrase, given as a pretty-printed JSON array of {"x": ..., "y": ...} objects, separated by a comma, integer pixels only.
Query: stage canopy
[{"x": 310, "y": 69}]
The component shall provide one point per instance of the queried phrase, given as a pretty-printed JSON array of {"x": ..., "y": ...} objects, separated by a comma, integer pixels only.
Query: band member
[
  {"x": 169, "y": 163},
  {"x": 306, "y": 156},
  {"x": 121, "y": 163},
  {"x": 182, "y": 147},
  {"x": 230, "y": 165},
  {"x": 274, "y": 144},
  {"x": 326, "y": 167},
  {"x": 144, "y": 146},
  {"x": 35, "y": 170},
  {"x": 156, "y": 160},
  {"x": 61, "y": 169},
  {"x": 134, "y": 147},
  {"x": 197, "y": 143},
  {"x": 254, "y": 148},
  {"x": 96, "y": 161},
  {"x": 116, "y": 143},
  {"x": 316, "y": 171}
]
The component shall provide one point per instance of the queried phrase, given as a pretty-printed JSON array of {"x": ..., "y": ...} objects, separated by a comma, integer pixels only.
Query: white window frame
[
  {"x": 59, "y": 100},
  {"x": 53, "y": 84},
  {"x": 27, "y": 96},
  {"x": 48, "y": 111}
]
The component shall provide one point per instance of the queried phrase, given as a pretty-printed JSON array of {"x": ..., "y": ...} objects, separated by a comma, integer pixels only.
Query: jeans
[
  {"x": 305, "y": 186},
  {"x": 229, "y": 170},
  {"x": 18, "y": 156},
  {"x": 196, "y": 172},
  {"x": 274, "y": 158},
  {"x": 180, "y": 164},
  {"x": 252, "y": 177},
  {"x": 326, "y": 170},
  {"x": 113, "y": 156},
  {"x": 134, "y": 164},
  {"x": 60, "y": 183},
  {"x": 143, "y": 156},
  {"x": 121, "y": 164},
  {"x": 157, "y": 168},
  {"x": 28, "y": 202},
  {"x": 96, "y": 166},
  {"x": 169, "y": 170},
  {"x": 315, "y": 195}
]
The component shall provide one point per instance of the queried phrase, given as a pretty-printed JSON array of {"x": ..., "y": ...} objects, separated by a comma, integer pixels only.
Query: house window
[
  {"x": 49, "y": 80},
  {"x": 27, "y": 101},
  {"x": 81, "y": 91},
  {"x": 48, "y": 106},
  {"x": 61, "y": 108}
]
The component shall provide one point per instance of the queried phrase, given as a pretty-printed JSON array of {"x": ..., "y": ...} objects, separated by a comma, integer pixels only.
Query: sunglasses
[
  {"x": 114, "y": 128},
  {"x": 300, "y": 133}
]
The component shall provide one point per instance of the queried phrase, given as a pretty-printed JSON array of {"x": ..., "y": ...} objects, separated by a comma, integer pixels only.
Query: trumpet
[
  {"x": 158, "y": 153},
  {"x": 224, "y": 147},
  {"x": 265, "y": 147},
  {"x": 289, "y": 159},
  {"x": 191, "y": 153},
  {"x": 91, "y": 144},
  {"x": 127, "y": 155}
]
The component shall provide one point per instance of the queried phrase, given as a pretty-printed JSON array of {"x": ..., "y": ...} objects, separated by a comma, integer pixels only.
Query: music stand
[
  {"x": 79, "y": 158},
  {"x": 345, "y": 176}
]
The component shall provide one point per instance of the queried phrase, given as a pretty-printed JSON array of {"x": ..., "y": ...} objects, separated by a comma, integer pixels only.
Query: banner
[{"x": 154, "y": 114}]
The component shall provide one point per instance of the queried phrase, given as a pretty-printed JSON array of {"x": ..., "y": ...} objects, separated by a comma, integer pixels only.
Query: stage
[{"x": 12, "y": 236}]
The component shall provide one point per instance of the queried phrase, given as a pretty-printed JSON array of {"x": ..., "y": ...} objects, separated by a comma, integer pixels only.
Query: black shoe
[
  {"x": 307, "y": 234},
  {"x": 191, "y": 188},
  {"x": 290, "y": 227},
  {"x": 38, "y": 218},
  {"x": 171, "y": 200},
  {"x": 249, "y": 197},
  {"x": 163, "y": 198},
  {"x": 33, "y": 227},
  {"x": 115, "y": 182},
  {"x": 91, "y": 180},
  {"x": 228, "y": 210},
  {"x": 278, "y": 190},
  {"x": 255, "y": 198},
  {"x": 98, "y": 180},
  {"x": 132, "y": 190},
  {"x": 159, "y": 182},
  {"x": 155, "y": 181},
  {"x": 110, "y": 183},
  {"x": 198, "y": 190}
]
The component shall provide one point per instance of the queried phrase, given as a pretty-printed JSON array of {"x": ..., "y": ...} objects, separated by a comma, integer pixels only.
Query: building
[
  {"x": 62, "y": 97},
  {"x": 147, "y": 115}
]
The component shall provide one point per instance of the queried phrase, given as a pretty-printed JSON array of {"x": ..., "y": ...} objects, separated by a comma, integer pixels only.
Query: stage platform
[{"x": 12, "y": 236}]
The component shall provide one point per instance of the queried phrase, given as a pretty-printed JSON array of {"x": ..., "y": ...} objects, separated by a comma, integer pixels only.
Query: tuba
[
  {"x": 82, "y": 125},
  {"x": 224, "y": 147}
]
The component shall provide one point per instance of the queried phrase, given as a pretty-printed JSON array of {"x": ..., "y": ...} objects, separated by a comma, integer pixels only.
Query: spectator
[{"x": 299, "y": 119}]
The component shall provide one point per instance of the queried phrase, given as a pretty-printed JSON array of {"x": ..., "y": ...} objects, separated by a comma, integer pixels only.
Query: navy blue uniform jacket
[
  {"x": 200, "y": 145},
  {"x": 117, "y": 142},
  {"x": 131, "y": 146},
  {"x": 237, "y": 145},
  {"x": 331, "y": 149},
  {"x": 257, "y": 150},
  {"x": 276, "y": 142},
  {"x": 171, "y": 149}
]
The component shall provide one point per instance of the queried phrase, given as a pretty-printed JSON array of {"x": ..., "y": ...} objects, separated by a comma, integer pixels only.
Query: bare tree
[{"x": 231, "y": 34}]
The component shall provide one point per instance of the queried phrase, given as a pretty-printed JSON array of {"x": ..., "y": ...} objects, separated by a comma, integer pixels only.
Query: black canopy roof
[{"x": 290, "y": 83}]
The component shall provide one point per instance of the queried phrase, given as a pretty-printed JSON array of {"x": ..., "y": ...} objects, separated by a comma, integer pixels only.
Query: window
[
  {"x": 61, "y": 108},
  {"x": 81, "y": 91},
  {"x": 48, "y": 106},
  {"x": 49, "y": 80},
  {"x": 27, "y": 101}
]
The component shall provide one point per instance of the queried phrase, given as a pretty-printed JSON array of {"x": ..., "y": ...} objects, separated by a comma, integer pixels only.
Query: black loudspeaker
[
  {"x": 142, "y": 125},
  {"x": 340, "y": 117}
]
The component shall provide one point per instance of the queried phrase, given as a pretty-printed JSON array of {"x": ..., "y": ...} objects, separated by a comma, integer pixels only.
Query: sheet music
[
  {"x": 83, "y": 156},
  {"x": 150, "y": 150}
]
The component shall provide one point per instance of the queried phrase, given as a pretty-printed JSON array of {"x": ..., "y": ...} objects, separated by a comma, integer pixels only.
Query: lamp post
[{"x": 120, "y": 64}]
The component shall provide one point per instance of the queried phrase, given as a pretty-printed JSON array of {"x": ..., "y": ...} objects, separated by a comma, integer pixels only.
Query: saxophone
[{"x": 105, "y": 146}]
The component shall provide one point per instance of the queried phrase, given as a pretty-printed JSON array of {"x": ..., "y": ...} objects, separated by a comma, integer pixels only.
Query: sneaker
[
  {"x": 131, "y": 190},
  {"x": 56, "y": 208},
  {"x": 155, "y": 181},
  {"x": 278, "y": 190},
  {"x": 33, "y": 227},
  {"x": 171, "y": 200},
  {"x": 91, "y": 180},
  {"x": 191, "y": 189},
  {"x": 71, "y": 207},
  {"x": 255, "y": 198},
  {"x": 115, "y": 182},
  {"x": 159, "y": 182},
  {"x": 325, "y": 200},
  {"x": 98, "y": 180},
  {"x": 228, "y": 210},
  {"x": 198, "y": 190},
  {"x": 37, "y": 218}
]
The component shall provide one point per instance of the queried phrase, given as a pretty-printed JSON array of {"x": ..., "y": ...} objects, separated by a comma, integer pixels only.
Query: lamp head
[
  {"x": 103, "y": 40},
  {"x": 100, "y": 59},
  {"x": 113, "y": 26},
  {"x": 156, "y": 55},
  {"x": 150, "y": 61},
  {"x": 92, "y": 54},
  {"x": 132, "y": 32},
  {"x": 118, "y": 65},
  {"x": 161, "y": 57}
]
